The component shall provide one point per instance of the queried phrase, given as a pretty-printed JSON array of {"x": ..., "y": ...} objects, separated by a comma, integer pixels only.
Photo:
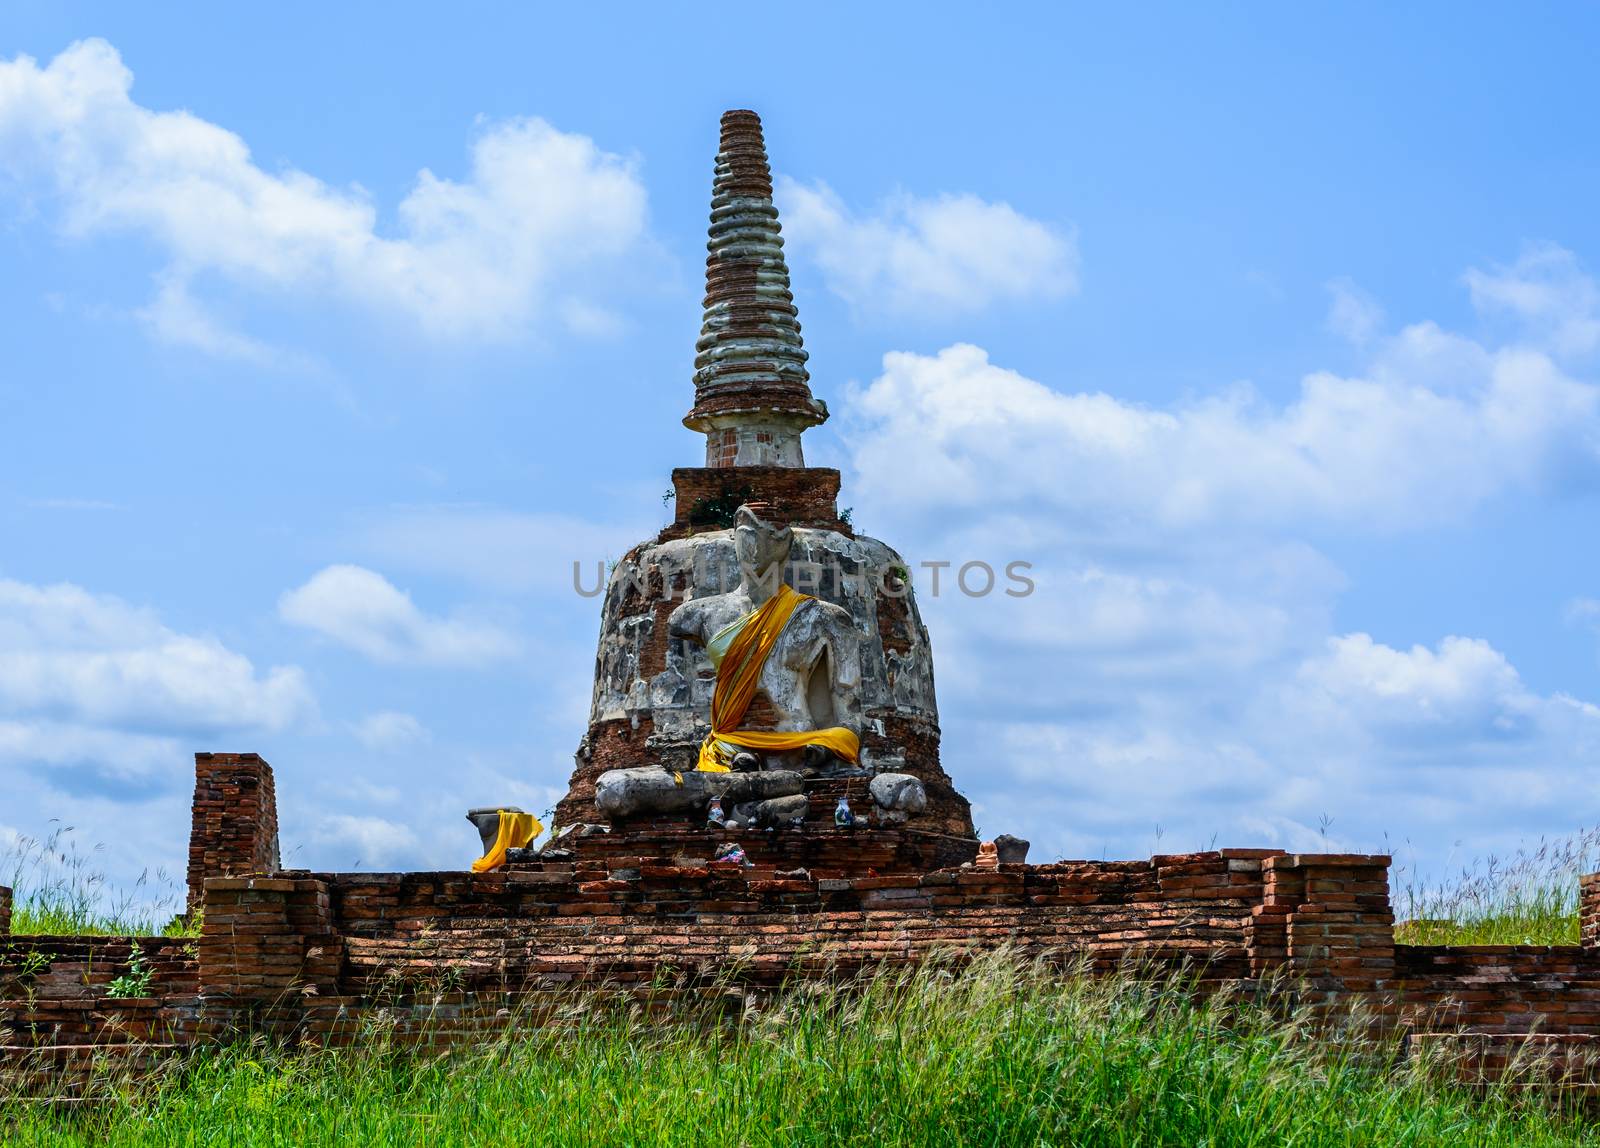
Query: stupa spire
[{"x": 750, "y": 381}]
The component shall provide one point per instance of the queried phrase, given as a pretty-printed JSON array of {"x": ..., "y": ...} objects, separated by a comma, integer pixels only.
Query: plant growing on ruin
[
  {"x": 717, "y": 510},
  {"x": 136, "y": 981},
  {"x": 34, "y": 964}
]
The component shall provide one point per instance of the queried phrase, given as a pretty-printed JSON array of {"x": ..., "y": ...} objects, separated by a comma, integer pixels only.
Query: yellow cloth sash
[
  {"x": 738, "y": 652},
  {"x": 516, "y": 830}
]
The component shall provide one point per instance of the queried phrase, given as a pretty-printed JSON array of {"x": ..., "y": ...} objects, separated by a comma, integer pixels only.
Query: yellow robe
[
  {"x": 738, "y": 652},
  {"x": 516, "y": 830}
]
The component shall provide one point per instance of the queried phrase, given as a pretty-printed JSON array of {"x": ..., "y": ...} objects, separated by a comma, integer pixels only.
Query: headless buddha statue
[{"x": 801, "y": 653}]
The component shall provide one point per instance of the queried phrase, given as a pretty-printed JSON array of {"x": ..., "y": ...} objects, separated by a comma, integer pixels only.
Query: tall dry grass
[
  {"x": 1002, "y": 1053},
  {"x": 1528, "y": 898},
  {"x": 62, "y": 889}
]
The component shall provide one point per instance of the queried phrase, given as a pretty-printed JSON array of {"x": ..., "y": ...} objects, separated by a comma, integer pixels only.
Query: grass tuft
[
  {"x": 59, "y": 889},
  {"x": 1529, "y": 898}
]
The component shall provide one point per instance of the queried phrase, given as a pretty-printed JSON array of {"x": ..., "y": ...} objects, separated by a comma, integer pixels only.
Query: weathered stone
[
  {"x": 623, "y": 793},
  {"x": 898, "y": 795},
  {"x": 781, "y": 810},
  {"x": 1012, "y": 850}
]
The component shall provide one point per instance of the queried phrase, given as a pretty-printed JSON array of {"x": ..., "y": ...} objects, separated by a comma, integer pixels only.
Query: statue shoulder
[
  {"x": 700, "y": 618},
  {"x": 829, "y": 614},
  {"x": 688, "y": 619}
]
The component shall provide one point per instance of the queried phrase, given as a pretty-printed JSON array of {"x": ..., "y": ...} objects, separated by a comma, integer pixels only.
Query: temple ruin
[{"x": 663, "y": 876}]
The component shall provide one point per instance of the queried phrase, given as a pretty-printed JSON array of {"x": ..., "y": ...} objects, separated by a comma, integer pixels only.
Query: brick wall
[
  {"x": 1589, "y": 910},
  {"x": 57, "y": 1023},
  {"x": 62, "y": 968},
  {"x": 621, "y": 921},
  {"x": 1325, "y": 921},
  {"x": 1500, "y": 989},
  {"x": 235, "y": 819},
  {"x": 799, "y": 496},
  {"x": 5, "y": 911},
  {"x": 265, "y": 943},
  {"x": 308, "y": 956}
]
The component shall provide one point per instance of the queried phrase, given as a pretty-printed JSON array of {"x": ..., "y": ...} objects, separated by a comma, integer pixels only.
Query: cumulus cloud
[
  {"x": 1436, "y": 426},
  {"x": 1352, "y": 313},
  {"x": 101, "y": 701},
  {"x": 84, "y": 761},
  {"x": 68, "y": 653},
  {"x": 361, "y": 609},
  {"x": 1584, "y": 611},
  {"x": 481, "y": 256},
  {"x": 497, "y": 548},
  {"x": 946, "y": 254},
  {"x": 175, "y": 316},
  {"x": 1354, "y": 744},
  {"x": 1548, "y": 292},
  {"x": 1464, "y": 685}
]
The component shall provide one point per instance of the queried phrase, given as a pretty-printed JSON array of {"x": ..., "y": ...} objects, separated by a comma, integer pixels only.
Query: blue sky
[{"x": 1270, "y": 338}]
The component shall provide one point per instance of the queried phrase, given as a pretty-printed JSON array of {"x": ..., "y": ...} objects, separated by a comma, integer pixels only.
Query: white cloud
[
  {"x": 85, "y": 761},
  {"x": 389, "y": 730},
  {"x": 1352, "y": 313},
  {"x": 1584, "y": 612},
  {"x": 1464, "y": 688},
  {"x": 946, "y": 254},
  {"x": 484, "y": 256},
  {"x": 1435, "y": 744},
  {"x": 102, "y": 702},
  {"x": 364, "y": 842},
  {"x": 70, "y": 504},
  {"x": 361, "y": 609},
  {"x": 93, "y": 658},
  {"x": 1547, "y": 291},
  {"x": 174, "y": 316},
  {"x": 1437, "y": 426}
]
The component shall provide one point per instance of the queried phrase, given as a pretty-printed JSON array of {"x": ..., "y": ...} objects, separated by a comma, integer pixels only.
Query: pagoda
[{"x": 653, "y": 688}]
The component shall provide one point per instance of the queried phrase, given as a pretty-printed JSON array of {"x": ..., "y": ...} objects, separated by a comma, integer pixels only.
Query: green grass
[
  {"x": 1530, "y": 898},
  {"x": 58, "y": 888},
  {"x": 1001, "y": 1054}
]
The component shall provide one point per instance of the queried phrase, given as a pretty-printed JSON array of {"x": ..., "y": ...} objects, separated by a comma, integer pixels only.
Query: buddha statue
[{"x": 801, "y": 654}]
